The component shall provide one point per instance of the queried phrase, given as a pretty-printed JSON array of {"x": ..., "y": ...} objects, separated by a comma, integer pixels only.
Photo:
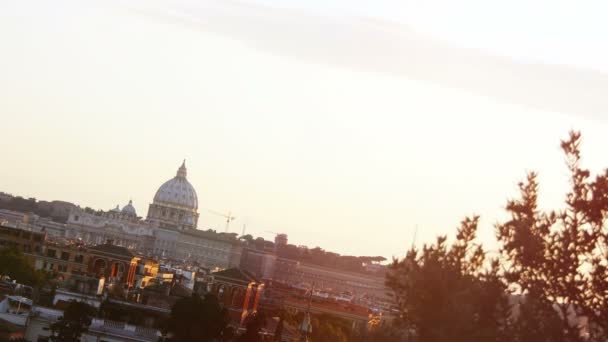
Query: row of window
[
  {"x": 26, "y": 248},
  {"x": 51, "y": 253},
  {"x": 21, "y": 234},
  {"x": 60, "y": 267}
]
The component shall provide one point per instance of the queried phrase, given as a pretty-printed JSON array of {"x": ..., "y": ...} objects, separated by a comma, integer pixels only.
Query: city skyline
[{"x": 349, "y": 153}]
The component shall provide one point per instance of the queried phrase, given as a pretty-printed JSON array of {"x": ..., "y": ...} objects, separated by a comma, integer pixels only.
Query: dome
[
  {"x": 129, "y": 209},
  {"x": 115, "y": 210},
  {"x": 177, "y": 192}
]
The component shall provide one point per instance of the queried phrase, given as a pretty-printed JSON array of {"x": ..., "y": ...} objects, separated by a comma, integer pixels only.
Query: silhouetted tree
[
  {"x": 445, "y": 294},
  {"x": 247, "y": 238},
  {"x": 75, "y": 321},
  {"x": 254, "y": 324},
  {"x": 198, "y": 319},
  {"x": 15, "y": 265},
  {"x": 559, "y": 256},
  {"x": 549, "y": 283},
  {"x": 259, "y": 243}
]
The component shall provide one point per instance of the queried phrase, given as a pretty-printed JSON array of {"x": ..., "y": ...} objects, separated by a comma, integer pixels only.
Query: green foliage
[
  {"x": 445, "y": 294},
  {"x": 559, "y": 256},
  {"x": 15, "y": 265},
  {"x": 326, "y": 328},
  {"x": 248, "y": 238},
  {"x": 198, "y": 319},
  {"x": 30, "y": 205},
  {"x": 75, "y": 321},
  {"x": 552, "y": 270}
]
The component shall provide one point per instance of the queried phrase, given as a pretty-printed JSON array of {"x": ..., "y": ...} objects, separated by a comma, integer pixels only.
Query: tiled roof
[
  {"x": 112, "y": 249},
  {"x": 236, "y": 274}
]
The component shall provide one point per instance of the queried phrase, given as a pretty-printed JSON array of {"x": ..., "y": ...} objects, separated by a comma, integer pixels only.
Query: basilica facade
[{"x": 169, "y": 230}]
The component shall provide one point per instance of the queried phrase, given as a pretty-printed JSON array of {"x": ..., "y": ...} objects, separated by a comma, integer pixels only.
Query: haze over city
[{"x": 339, "y": 124}]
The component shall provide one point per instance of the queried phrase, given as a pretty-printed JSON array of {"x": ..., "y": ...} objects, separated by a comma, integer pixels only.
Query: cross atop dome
[{"x": 182, "y": 172}]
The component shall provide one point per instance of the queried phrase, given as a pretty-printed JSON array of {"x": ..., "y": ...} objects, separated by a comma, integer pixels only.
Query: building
[
  {"x": 280, "y": 240},
  {"x": 330, "y": 279},
  {"x": 239, "y": 291},
  {"x": 41, "y": 318},
  {"x": 168, "y": 232},
  {"x": 24, "y": 240},
  {"x": 64, "y": 260},
  {"x": 14, "y": 311},
  {"x": 38, "y": 326},
  {"x": 116, "y": 264},
  {"x": 260, "y": 263},
  {"x": 123, "y": 227},
  {"x": 17, "y": 218},
  {"x": 146, "y": 271}
]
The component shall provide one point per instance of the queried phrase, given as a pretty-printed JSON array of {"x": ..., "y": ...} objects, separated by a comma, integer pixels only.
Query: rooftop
[
  {"x": 236, "y": 274},
  {"x": 109, "y": 248}
]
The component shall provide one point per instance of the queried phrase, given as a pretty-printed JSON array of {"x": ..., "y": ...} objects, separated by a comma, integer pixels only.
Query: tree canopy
[
  {"x": 15, "y": 265},
  {"x": 548, "y": 283},
  {"x": 198, "y": 319},
  {"x": 75, "y": 321}
]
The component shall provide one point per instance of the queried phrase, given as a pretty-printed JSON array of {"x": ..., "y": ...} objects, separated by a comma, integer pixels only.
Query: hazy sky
[{"x": 341, "y": 123}]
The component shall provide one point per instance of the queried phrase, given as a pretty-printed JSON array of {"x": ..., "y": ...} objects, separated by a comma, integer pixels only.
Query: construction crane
[{"x": 229, "y": 218}]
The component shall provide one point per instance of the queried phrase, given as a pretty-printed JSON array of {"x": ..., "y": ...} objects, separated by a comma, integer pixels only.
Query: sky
[{"x": 351, "y": 125}]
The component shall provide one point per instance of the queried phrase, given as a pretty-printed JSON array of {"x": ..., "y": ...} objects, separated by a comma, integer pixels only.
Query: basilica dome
[
  {"x": 177, "y": 192},
  {"x": 129, "y": 209}
]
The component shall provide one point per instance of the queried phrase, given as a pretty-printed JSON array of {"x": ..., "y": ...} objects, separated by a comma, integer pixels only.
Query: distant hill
[{"x": 58, "y": 211}]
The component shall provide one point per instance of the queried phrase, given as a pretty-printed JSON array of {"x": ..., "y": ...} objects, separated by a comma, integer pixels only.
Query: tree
[
  {"x": 259, "y": 243},
  {"x": 326, "y": 328},
  {"x": 198, "y": 319},
  {"x": 247, "y": 238},
  {"x": 445, "y": 293},
  {"x": 75, "y": 321},
  {"x": 15, "y": 265},
  {"x": 549, "y": 283},
  {"x": 255, "y": 323},
  {"x": 558, "y": 257}
]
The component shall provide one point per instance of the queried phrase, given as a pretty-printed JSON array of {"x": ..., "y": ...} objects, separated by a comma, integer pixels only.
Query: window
[
  {"x": 51, "y": 253},
  {"x": 79, "y": 258},
  {"x": 62, "y": 268},
  {"x": 65, "y": 256},
  {"x": 76, "y": 217}
]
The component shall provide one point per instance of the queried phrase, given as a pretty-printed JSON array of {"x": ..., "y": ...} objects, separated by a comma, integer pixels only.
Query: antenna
[{"x": 414, "y": 237}]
